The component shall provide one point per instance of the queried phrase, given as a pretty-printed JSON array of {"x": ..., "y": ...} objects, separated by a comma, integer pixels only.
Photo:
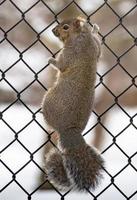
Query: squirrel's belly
[
  {"x": 52, "y": 111},
  {"x": 68, "y": 110},
  {"x": 48, "y": 110}
]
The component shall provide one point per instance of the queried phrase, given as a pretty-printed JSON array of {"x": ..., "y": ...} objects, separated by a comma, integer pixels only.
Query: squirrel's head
[{"x": 68, "y": 27}]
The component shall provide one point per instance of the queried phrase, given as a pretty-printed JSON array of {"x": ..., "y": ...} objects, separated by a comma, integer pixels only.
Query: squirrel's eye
[{"x": 66, "y": 27}]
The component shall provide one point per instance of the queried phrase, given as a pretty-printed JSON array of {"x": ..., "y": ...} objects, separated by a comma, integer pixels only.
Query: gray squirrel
[{"x": 67, "y": 106}]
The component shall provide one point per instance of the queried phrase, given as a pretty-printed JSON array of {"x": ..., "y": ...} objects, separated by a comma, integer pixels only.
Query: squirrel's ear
[
  {"x": 76, "y": 23},
  {"x": 79, "y": 21}
]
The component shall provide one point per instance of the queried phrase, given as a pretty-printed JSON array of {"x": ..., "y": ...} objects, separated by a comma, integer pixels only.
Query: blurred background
[{"x": 26, "y": 44}]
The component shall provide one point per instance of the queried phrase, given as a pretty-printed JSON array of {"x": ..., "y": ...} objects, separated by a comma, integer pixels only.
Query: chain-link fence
[{"x": 21, "y": 30}]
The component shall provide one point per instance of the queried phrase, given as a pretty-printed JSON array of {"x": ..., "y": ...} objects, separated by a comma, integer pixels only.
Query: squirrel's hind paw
[
  {"x": 52, "y": 61},
  {"x": 55, "y": 170}
]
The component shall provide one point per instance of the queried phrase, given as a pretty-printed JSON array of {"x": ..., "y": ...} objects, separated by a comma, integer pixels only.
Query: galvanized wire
[{"x": 36, "y": 78}]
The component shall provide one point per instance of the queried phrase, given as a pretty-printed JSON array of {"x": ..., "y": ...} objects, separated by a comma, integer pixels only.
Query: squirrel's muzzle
[{"x": 55, "y": 31}]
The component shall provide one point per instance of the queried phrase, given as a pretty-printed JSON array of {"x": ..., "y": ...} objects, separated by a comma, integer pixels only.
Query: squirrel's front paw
[
  {"x": 52, "y": 61},
  {"x": 95, "y": 28}
]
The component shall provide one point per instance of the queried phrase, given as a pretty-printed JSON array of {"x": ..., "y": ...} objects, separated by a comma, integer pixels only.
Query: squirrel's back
[
  {"x": 68, "y": 105},
  {"x": 71, "y": 98}
]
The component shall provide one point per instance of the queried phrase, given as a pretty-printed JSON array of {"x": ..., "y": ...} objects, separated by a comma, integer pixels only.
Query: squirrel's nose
[{"x": 55, "y": 31}]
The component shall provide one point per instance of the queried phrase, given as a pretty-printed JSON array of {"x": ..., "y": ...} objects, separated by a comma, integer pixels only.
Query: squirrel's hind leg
[{"x": 55, "y": 170}]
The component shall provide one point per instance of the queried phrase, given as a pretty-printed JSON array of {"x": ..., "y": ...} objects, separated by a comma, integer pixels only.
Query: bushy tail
[
  {"x": 79, "y": 167},
  {"x": 84, "y": 167}
]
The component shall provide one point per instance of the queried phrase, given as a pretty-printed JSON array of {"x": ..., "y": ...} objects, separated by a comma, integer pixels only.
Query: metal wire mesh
[{"x": 116, "y": 98}]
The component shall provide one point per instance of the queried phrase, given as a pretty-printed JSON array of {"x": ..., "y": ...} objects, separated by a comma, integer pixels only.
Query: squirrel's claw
[
  {"x": 52, "y": 61},
  {"x": 95, "y": 29}
]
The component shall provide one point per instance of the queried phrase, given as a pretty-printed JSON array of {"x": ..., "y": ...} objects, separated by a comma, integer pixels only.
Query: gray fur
[{"x": 68, "y": 104}]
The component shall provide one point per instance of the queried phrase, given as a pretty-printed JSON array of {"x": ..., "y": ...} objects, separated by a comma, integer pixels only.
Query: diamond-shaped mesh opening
[
  {"x": 129, "y": 188},
  {"x": 128, "y": 19},
  {"x": 11, "y": 156},
  {"x": 114, "y": 43},
  {"x": 125, "y": 61},
  {"x": 24, "y": 114},
  {"x": 25, "y": 35},
  {"x": 31, "y": 54},
  {"x": 27, "y": 137},
  {"x": 23, "y": 73},
  {"x": 8, "y": 95},
  {"x": 127, "y": 139},
  {"x": 27, "y": 95},
  {"x": 8, "y": 21},
  {"x": 11, "y": 55},
  {"x": 112, "y": 125},
  {"x": 115, "y": 154},
  {"x": 28, "y": 172},
  {"x": 118, "y": 72},
  {"x": 7, "y": 175},
  {"x": 41, "y": 21},
  {"x": 26, "y": 43},
  {"x": 17, "y": 189},
  {"x": 128, "y": 5},
  {"x": 7, "y": 135},
  {"x": 106, "y": 27},
  {"x": 112, "y": 189}
]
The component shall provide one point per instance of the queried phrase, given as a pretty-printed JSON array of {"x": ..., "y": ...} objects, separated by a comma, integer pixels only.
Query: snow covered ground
[{"x": 15, "y": 156}]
